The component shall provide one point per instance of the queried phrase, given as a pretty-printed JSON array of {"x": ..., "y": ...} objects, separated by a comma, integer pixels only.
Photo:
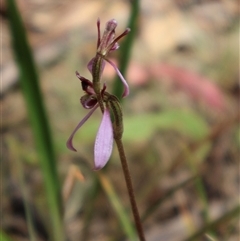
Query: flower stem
[
  {"x": 96, "y": 73},
  {"x": 130, "y": 189}
]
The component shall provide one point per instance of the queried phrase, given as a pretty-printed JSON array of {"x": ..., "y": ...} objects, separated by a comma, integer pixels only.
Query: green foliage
[
  {"x": 185, "y": 122},
  {"x": 37, "y": 116},
  {"x": 123, "y": 216},
  {"x": 4, "y": 237},
  {"x": 138, "y": 128},
  {"x": 126, "y": 47}
]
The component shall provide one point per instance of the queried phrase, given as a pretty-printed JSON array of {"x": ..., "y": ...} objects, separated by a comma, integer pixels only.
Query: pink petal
[
  {"x": 104, "y": 142},
  {"x": 69, "y": 141},
  {"x": 126, "y": 88}
]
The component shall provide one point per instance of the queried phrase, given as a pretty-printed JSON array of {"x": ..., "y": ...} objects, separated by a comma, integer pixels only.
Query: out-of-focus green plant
[
  {"x": 4, "y": 237},
  {"x": 126, "y": 46},
  {"x": 18, "y": 153},
  {"x": 37, "y": 115},
  {"x": 187, "y": 123},
  {"x": 122, "y": 215}
]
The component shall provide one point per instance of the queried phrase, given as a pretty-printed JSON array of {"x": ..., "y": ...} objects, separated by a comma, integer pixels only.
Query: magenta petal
[
  {"x": 69, "y": 141},
  {"x": 126, "y": 88},
  {"x": 104, "y": 141}
]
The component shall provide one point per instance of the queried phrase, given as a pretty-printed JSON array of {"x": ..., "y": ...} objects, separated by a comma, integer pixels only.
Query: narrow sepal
[
  {"x": 125, "y": 84},
  {"x": 69, "y": 143}
]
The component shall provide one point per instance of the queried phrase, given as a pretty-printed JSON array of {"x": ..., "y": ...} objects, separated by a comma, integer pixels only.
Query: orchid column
[{"x": 111, "y": 127}]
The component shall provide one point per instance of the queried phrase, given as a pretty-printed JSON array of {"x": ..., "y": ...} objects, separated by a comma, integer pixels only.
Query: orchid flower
[
  {"x": 96, "y": 97},
  {"x": 106, "y": 44},
  {"x": 104, "y": 139},
  {"x": 111, "y": 126}
]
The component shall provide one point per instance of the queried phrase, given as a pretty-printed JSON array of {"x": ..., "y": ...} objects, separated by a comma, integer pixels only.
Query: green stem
[
  {"x": 96, "y": 73},
  {"x": 130, "y": 189}
]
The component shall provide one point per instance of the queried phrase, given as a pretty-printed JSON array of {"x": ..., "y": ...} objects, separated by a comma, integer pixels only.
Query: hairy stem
[
  {"x": 96, "y": 73},
  {"x": 130, "y": 189}
]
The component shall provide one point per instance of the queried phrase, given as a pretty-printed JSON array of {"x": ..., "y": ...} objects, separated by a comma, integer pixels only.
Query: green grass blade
[
  {"x": 200, "y": 189},
  {"x": 23, "y": 187},
  {"x": 124, "y": 218},
  {"x": 125, "y": 48},
  {"x": 89, "y": 209},
  {"x": 37, "y": 116}
]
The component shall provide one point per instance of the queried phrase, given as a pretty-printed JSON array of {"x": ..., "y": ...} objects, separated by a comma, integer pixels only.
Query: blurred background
[{"x": 181, "y": 120}]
